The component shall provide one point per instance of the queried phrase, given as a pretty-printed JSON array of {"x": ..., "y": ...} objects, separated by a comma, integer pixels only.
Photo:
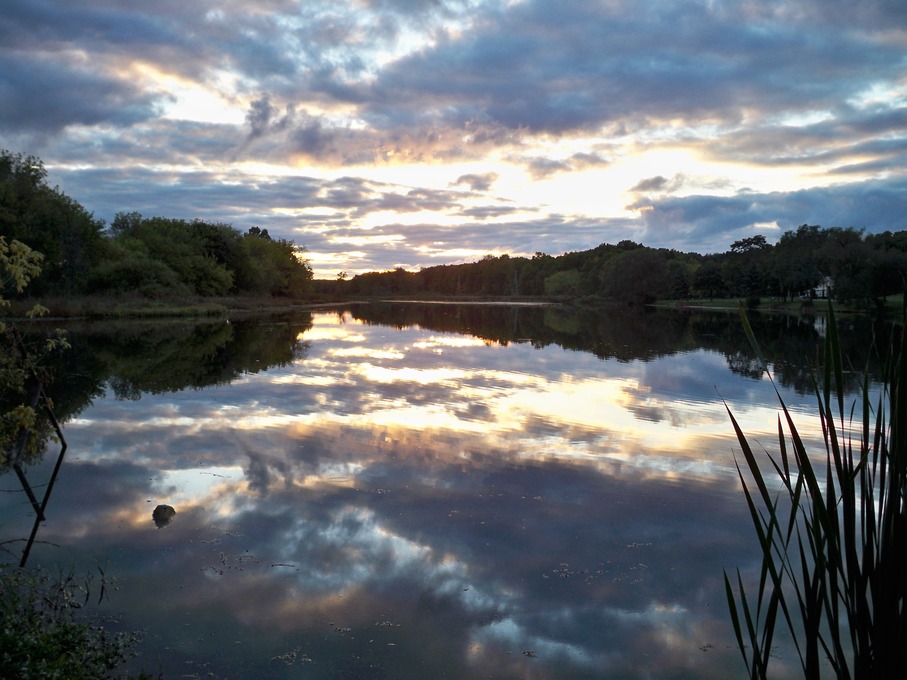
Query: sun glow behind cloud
[{"x": 317, "y": 119}]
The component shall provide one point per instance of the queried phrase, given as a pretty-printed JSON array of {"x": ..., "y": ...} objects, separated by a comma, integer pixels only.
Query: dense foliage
[
  {"x": 22, "y": 361},
  {"x": 861, "y": 268},
  {"x": 154, "y": 257},
  {"x": 45, "y": 633}
]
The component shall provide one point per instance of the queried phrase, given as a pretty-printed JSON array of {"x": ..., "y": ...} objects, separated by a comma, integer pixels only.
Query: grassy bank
[
  {"x": 892, "y": 305},
  {"x": 126, "y": 307},
  {"x": 136, "y": 307}
]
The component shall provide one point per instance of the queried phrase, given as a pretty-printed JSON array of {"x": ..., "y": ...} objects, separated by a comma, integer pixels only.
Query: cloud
[
  {"x": 544, "y": 167},
  {"x": 262, "y": 117},
  {"x": 716, "y": 221},
  {"x": 584, "y": 66},
  {"x": 475, "y": 182},
  {"x": 41, "y": 96},
  {"x": 658, "y": 184},
  {"x": 539, "y": 168},
  {"x": 588, "y": 160},
  {"x": 465, "y": 92}
]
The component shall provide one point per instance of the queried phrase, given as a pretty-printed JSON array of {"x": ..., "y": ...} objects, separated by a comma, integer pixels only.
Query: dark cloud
[
  {"x": 584, "y": 66},
  {"x": 809, "y": 86},
  {"x": 527, "y": 67},
  {"x": 489, "y": 212},
  {"x": 543, "y": 167},
  {"x": 264, "y": 117},
  {"x": 715, "y": 221},
  {"x": 40, "y": 96},
  {"x": 475, "y": 182},
  {"x": 540, "y": 168},
  {"x": 843, "y": 136},
  {"x": 104, "y": 24},
  {"x": 656, "y": 184}
]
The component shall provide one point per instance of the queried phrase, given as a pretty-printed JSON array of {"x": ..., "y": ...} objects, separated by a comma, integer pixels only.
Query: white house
[{"x": 825, "y": 288}]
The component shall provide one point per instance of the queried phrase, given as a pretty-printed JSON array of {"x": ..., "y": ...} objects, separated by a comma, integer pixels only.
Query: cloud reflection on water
[{"x": 405, "y": 504}]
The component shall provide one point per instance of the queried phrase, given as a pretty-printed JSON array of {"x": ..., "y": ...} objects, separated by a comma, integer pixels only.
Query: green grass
[{"x": 833, "y": 541}]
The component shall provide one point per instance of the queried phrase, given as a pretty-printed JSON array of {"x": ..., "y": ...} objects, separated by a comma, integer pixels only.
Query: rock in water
[{"x": 162, "y": 515}]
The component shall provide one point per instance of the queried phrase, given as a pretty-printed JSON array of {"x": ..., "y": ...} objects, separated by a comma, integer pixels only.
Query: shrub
[{"x": 45, "y": 634}]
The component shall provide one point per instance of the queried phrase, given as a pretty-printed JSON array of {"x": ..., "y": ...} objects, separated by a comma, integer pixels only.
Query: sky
[{"x": 412, "y": 133}]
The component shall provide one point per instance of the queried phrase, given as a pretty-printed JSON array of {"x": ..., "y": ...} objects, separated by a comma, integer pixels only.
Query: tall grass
[{"x": 834, "y": 537}]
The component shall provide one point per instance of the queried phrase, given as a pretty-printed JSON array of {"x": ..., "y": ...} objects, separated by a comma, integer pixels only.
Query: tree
[
  {"x": 48, "y": 221},
  {"x": 708, "y": 280},
  {"x": 128, "y": 266},
  {"x": 563, "y": 283},
  {"x": 678, "y": 279},
  {"x": 635, "y": 277},
  {"x": 846, "y": 258},
  {"x": 271, "y": 267},
  {"x": 794, "y": 264},
  {"x": 125, "y": 224},
  {"x": 21, "y": 368},
  {"x": 746, "y": 245},
  {"x": 19, "y": 264}
]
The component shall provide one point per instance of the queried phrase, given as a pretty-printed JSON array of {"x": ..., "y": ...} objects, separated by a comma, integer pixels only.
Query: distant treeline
[
  {"x": 857, "y": 267},
  {"x": 151, "y": 257},
  {"x": 163, "y": 257}
]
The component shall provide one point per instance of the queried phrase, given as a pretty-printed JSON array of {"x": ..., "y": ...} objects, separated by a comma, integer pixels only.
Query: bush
[{"x": 45, "y": 634}]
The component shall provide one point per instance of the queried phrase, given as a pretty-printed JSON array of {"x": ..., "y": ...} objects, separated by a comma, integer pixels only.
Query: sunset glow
[{"x": 408, "y": 133}]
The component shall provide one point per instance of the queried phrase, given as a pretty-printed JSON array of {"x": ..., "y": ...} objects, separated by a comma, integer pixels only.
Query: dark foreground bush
[{"x": 45, "y": 631}]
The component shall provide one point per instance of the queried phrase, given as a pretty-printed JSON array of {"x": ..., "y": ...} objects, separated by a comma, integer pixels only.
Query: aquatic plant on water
[{"x": 833, "y": 539}]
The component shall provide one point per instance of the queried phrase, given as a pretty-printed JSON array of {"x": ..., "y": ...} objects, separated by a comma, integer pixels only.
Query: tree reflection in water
[
  {"x": 417, "y": 491},
  {"x": 17, "y": 460},
  {"x": 132, "y": 358}
]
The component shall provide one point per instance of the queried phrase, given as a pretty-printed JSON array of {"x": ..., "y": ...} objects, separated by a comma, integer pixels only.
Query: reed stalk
[{"x": 833, "y": 540}]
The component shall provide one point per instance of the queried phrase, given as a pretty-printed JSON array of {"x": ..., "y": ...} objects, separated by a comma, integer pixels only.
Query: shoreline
[{"x": 112, "y": 308}]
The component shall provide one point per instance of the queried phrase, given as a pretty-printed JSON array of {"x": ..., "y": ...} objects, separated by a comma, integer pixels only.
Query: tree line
[
  {"x": 165, "y": 257},
  {"x": 861, "y": 268},
  {"x": 151, "y": 256}
]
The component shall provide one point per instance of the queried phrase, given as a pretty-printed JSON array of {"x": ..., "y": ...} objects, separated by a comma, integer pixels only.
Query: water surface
[{"x": 414, "y": 491}]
